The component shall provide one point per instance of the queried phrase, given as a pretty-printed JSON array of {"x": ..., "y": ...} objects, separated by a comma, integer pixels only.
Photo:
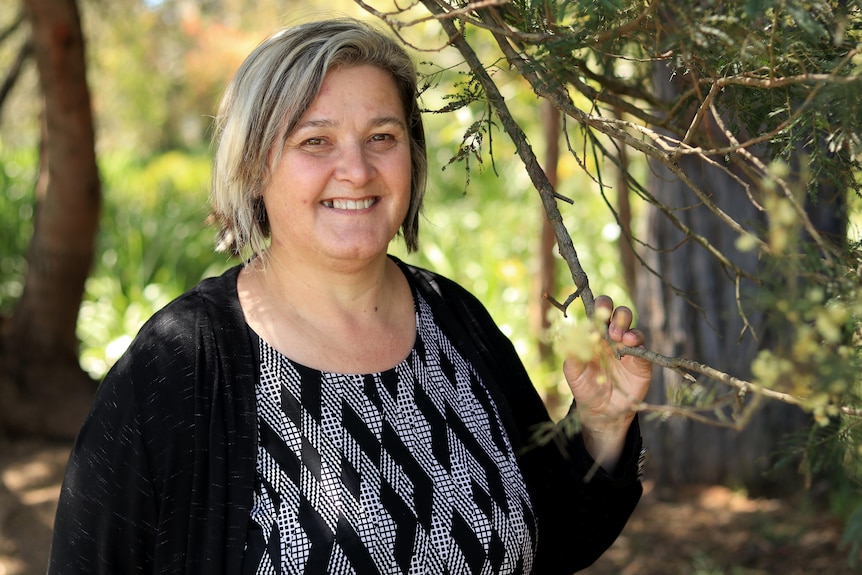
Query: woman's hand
[{"x": 607, "y": 389}]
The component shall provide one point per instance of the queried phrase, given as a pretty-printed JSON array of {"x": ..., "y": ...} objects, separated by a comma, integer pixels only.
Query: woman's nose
[{"x": 354, "y": 165}]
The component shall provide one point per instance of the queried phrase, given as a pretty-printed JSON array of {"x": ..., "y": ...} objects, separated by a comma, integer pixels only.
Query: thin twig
[{"x": 744, "y": 387}]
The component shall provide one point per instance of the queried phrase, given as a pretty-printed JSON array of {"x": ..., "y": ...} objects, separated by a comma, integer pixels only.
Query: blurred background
[{"x": 156, "y": 70}]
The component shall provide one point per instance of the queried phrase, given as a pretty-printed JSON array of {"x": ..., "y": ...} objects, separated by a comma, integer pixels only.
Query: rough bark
[
  {"x": 45, "y": 391},
  {"x": 708, "y": 327}
]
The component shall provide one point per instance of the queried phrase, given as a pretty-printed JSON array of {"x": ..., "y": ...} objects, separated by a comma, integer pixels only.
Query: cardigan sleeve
[
  {"x": 159, "y": 480},
  {"x": 107, "y": 516},
  {"x": 580, "y": 508}
]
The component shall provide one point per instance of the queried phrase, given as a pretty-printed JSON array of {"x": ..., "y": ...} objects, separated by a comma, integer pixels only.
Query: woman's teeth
[{"x": 349, "y": 204}]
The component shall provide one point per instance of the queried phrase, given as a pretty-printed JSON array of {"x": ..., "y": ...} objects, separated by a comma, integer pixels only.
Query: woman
[{"x": 326, "y": 408}]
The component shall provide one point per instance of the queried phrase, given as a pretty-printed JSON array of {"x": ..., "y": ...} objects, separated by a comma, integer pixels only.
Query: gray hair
[{"x": 273, "y": 88}]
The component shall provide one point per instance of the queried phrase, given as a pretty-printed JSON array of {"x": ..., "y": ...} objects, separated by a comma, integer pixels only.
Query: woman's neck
[
  {"x": 325, "y": 287},
  {"x": 354, "y": 319}
]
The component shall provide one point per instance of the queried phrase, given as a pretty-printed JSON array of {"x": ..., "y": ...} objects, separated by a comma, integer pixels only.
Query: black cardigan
[{"x": 161, "y": 476}]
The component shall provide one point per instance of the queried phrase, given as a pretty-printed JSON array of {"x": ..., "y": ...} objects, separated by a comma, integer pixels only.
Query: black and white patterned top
[{"x": 408, "y": 471}]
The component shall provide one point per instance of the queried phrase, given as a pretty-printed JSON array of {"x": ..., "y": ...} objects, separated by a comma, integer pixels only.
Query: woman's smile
[{"x": 344, "y": 204}]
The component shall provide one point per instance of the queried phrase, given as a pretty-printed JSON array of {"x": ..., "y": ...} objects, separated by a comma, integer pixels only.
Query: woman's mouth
[{"x": 342, "y": 204}]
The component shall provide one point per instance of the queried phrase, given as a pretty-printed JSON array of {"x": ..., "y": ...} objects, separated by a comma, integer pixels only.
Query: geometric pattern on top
[{"x": 407, "y": 471}]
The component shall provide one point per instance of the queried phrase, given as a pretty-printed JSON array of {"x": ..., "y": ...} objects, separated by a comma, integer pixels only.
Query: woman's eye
[
  {"x": 386, "y": 139},
  {"x": 312, "y": 142}
]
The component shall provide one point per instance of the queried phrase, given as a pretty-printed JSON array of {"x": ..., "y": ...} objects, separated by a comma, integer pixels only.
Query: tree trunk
[
  {"x": 44, "y": 389},
  {"x": 547, "y": 276},
  {"x": 708, "y": 329},
  {"x": 628, "y": 256}
]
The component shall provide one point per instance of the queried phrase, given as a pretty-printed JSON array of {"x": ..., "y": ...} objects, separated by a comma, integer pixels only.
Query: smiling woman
[
  {"x": 270, "y": 97},
  {"x": 340, "y": 187},
  {"x": 324, "y": 407}
]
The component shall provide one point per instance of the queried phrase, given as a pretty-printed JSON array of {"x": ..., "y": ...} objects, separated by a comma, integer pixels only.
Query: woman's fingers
[
  {"x": 604, "y": 307},
  {"x": 621, "y": 322},
  {"x": 633, "y": 338}
]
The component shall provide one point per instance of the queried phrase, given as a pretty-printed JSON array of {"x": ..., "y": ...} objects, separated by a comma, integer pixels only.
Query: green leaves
[{"x": 153, "y": 245}]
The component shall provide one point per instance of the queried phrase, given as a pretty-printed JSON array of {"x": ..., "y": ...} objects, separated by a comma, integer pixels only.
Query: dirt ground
[{"x": 697, "y": 531}]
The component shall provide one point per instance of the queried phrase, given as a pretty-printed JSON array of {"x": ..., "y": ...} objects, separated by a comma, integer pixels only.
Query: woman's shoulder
[
  {"x": 177, "y": 327},
  {"x": 211, "y": 294}
]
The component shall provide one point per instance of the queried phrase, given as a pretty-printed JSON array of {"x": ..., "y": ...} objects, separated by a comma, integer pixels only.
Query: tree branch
[
  {"x": 525, "y": 152},
  {"x": 661, "y": 151}
]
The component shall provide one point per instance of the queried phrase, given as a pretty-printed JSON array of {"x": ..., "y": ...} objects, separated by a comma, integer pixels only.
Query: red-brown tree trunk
[
  {"x": 547, "y": 276},
  {"x": 44, "y": 390}
]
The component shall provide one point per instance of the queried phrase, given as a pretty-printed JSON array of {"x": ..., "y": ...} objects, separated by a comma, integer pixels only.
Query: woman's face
[{"x": 341, "y": 188}]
